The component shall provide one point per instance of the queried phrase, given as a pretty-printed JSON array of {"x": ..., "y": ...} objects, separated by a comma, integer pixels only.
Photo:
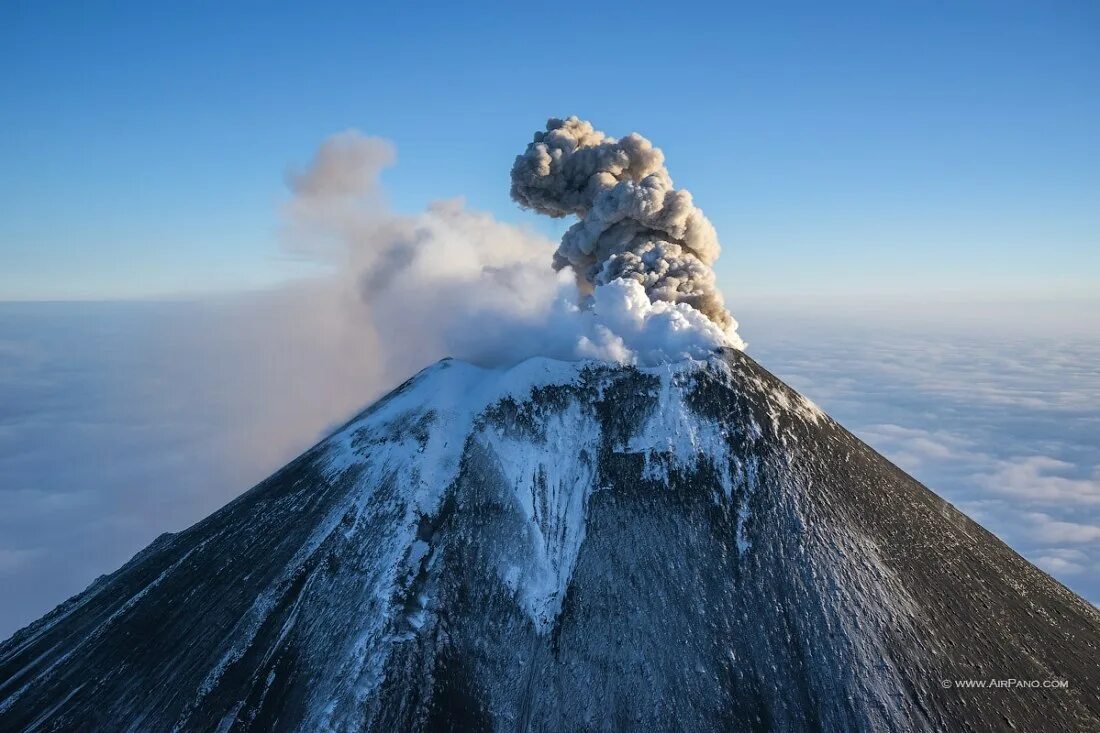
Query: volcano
[{"x": 571, "y": 546}]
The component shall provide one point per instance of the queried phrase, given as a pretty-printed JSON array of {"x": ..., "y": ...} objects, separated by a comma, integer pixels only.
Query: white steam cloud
[
  {"x": 630, "y": 281},
  {"x": 398, "y": 292}
]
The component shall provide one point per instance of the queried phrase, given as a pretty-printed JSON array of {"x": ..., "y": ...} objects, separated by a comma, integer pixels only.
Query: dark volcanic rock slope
[{"x": 569, "y": 546}]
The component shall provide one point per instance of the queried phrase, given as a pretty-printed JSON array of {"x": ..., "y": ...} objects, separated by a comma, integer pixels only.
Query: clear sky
[{"x": 906, "y": 148}]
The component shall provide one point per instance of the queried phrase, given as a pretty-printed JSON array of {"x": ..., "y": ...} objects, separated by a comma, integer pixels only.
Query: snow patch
[
  {"x": 675, "y": 436},
  {"x": 552, "y": 494}
]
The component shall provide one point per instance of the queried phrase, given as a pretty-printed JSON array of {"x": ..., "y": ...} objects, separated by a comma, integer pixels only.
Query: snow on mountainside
[{"x": 568, "y": 546}]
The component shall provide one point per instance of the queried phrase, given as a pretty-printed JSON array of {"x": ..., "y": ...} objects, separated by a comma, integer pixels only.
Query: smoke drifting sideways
[
  {"x": 392, "y": 293},
  {"x": 630, "y": 282},
  {"x": 201, "y": 398}
]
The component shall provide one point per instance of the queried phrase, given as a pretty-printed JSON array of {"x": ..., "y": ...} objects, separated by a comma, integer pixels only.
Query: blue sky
[{"x": 871, "y": 148}]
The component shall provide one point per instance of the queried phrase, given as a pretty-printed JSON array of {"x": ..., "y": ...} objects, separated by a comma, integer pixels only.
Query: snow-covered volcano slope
[{"x": 569, "y": 546}]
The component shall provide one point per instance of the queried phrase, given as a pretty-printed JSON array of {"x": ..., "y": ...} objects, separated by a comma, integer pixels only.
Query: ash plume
[
  {"x": 391, "y": 292},
  {"x": 383, "y": 294},
  {"x": 633, "y": 224}
]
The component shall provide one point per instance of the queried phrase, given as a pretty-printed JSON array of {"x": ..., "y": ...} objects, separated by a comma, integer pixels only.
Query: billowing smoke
[
  {"x": 632, "y": 223},
  {"x": 392, "y": 293},
  {"x": 455, "y": 282}
]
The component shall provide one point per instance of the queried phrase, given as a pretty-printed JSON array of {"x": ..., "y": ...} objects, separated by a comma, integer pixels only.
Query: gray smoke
[
  {"x": 633, "y": 224},
  {"x": 455, "y": 282}
]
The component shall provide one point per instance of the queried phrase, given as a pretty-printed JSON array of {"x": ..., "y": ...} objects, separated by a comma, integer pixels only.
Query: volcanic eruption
[{"x": 648, "y": 531}]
